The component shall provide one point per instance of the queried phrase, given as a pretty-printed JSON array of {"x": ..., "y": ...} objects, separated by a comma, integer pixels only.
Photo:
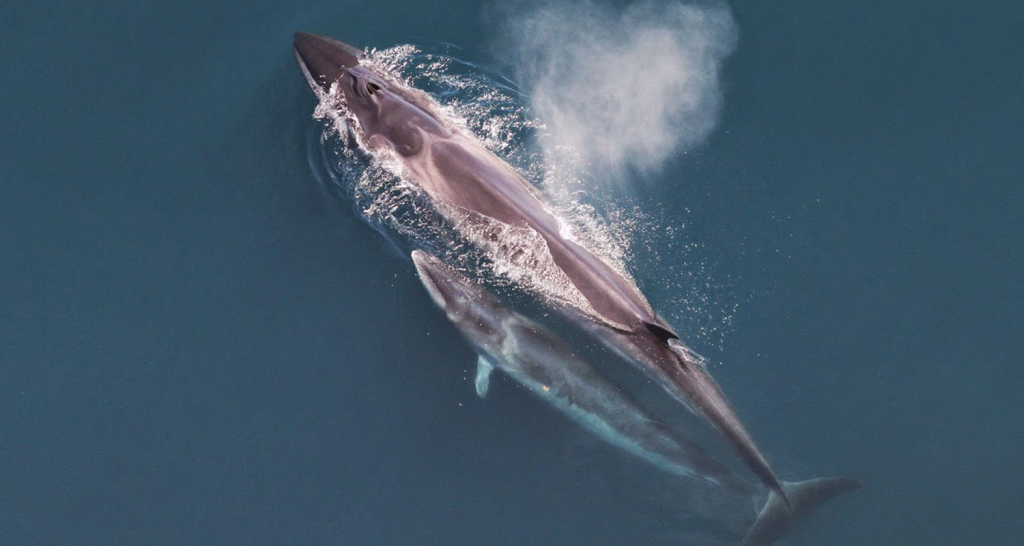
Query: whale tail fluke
[{"x": 775, "y": 518}]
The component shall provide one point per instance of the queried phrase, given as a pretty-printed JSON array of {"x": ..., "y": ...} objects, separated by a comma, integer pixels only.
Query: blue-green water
[{"x": 197, "y": 346}]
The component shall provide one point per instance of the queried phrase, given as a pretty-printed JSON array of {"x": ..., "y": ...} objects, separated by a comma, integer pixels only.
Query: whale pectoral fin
[{"x": 483, "y": 376}]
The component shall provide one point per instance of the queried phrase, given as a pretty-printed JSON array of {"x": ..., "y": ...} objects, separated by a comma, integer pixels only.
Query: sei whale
[
  {"x": 548, "y": 368},
  {"x": 468, "y": 183}
]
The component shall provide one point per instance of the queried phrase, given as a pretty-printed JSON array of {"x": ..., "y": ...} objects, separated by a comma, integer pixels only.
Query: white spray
[{"x": 620, "y": 89}]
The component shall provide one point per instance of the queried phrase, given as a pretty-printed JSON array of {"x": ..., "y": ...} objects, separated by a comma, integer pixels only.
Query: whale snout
[{"x": 323, "y": 60}]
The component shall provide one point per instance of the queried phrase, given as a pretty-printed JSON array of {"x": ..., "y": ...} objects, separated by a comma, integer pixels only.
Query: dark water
[{"x": 196, "y": 347}]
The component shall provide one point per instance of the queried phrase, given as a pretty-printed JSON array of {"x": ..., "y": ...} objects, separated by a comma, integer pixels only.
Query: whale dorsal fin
[
  {"x": 483, "y": 376},
  {"x": 660, "y": 332}
]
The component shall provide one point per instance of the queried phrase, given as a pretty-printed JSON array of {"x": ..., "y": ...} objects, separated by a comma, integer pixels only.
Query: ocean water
[{"x": 200, "y": 345}]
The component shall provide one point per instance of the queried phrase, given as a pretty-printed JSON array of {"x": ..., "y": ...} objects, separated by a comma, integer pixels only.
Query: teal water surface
[{"x": 198, "y": 347}]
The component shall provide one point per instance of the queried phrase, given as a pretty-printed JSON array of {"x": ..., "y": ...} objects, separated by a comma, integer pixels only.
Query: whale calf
[
  {"x": 548, "y": 368},
  {"x": 472, "y": 186}
]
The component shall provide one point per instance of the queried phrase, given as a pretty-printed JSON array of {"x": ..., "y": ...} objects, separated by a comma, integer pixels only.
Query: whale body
[{"x": 469, "y": 182}]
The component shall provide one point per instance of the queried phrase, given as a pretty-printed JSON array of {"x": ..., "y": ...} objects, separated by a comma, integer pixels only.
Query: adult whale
[
  {"x": 547, "y": 367},
  {"x": 468, "y": 182}
]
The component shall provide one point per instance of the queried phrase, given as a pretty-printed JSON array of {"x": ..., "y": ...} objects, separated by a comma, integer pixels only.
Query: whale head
[
  {"x": 326, "y": 62},
  {"x": 388, "y": 114},
  {"x": 474, "y": 310},
  {"x": 323, "y": 60}
]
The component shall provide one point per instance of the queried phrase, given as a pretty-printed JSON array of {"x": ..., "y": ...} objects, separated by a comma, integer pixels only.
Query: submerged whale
[
  {"x": 548, "y": 368},
  {"x": 469, "y": 183}
]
